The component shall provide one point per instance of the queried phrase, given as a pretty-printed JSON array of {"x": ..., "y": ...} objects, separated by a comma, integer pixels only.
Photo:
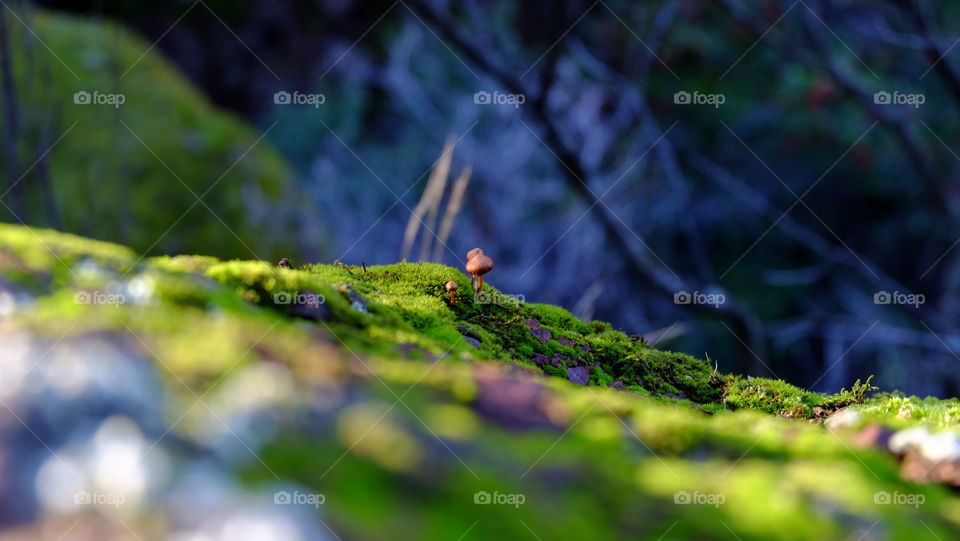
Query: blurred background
[{"x": 771, "y": 182}]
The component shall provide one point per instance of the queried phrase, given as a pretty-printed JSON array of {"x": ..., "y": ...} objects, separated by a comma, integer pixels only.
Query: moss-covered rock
[
  {"x": 414, "y": 418},
  {"x": 167, "y": 146}
]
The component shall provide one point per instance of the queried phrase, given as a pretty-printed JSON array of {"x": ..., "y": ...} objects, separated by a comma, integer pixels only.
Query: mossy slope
[{"x": 401, "y": 422}]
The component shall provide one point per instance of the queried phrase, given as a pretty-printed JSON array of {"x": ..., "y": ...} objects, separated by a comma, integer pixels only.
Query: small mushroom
[
  {"x": 285, "y": 263},
  {"x": 474, "y": 253},
  {"x": 452, "y": 288},
  {"x": 477, "y": 266}
]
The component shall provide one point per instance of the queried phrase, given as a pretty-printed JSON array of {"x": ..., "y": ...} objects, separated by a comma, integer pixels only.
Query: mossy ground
[{"x": 389, "y": 410}]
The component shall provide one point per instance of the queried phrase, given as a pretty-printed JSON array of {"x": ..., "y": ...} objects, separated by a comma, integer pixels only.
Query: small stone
[
  {"x": 311, "y": 308},
  {"x": 910, "y": 437},
  {"x": 842, "y": 418},
  {"x": 541, "y": 334},
  {"x": 578, "y": 375},
  {"x": 472, "y": 341},
  {"x": 540, "y": 359},
  {"x": 356, "y": 301}
]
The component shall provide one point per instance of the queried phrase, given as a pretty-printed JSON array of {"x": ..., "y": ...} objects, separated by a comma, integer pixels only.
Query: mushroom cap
[
  {"x": 451, "y": 286},
  {"x": 474, "y": 253},
  {"x": 479, "y": 265}
]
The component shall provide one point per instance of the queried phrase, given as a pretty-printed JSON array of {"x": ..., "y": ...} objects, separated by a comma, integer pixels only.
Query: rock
[
  {"x": 564, "y": 341},
  {"x": 942, "y": 447},
  {"x": 540, "y": 359},
  {"x": 904, "y": 439},
  {"x": 578, "y": 374},
  {"x": 841, "y": 419},
  {"x": 472, "y": 341},
  {"x": 873, "y": 436},
  {"x": 356, "y": 301},
  {"x": 541, "y": 334},
  {"x": 310, "y": 305},
  {"x": 515, "y": 403}
]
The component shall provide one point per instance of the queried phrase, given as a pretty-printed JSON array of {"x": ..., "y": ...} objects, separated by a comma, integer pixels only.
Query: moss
[
  {"x": 896, "y": 410},
  {"x": 405, "y": 305},
  {"x": 592, "y": 462}
]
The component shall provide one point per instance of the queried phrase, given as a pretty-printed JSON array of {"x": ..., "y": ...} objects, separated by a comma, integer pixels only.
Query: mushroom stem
[
  {"x": 453, "y": 297},
  {"x": 481, "y": 283}
]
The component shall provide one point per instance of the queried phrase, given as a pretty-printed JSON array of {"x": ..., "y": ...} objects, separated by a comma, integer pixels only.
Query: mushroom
[
  {"x": 477, "y": 266},
  {"x": 452, "y": 288},
  {"x": 474, "y": 253},
  {"x": 285, "y": 263}
]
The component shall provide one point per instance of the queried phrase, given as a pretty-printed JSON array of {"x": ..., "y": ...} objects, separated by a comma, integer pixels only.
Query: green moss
[
  {"x": 895, "y": 410},
  {"x": 378, "y": 309}
]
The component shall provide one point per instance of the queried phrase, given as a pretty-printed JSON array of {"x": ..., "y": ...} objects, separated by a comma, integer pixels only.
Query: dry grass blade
[
  {"x": 454, "y": 205},
  {"x": 430, "y": 199}
]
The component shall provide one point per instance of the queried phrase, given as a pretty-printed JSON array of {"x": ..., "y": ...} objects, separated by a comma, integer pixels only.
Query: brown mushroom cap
[
  {"x": 479, "y": 265},
  {"x": 451, "y": 286},
  {"x": 474, "y": 253}
]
